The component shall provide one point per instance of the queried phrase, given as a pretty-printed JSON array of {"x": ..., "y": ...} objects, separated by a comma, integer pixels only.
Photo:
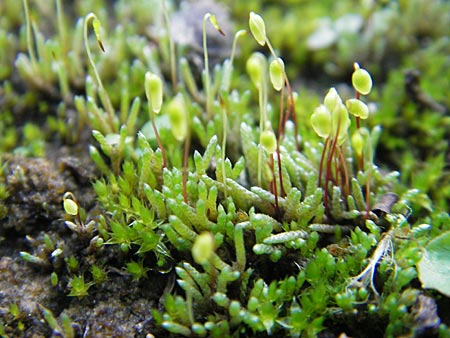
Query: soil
[{"x": 119, "y": 307}]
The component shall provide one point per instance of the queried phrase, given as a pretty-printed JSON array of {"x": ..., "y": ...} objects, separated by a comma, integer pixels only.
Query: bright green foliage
[
  {"x": 72, "y": 264},
  {"x": 78, "y": 287},
  {"x": 137, "y": 270},
  {"x": 98, "y": 274},
  {"x": 253, "y": 254}
]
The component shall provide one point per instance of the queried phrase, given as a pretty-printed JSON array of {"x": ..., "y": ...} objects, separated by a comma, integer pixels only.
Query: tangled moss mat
[{"x": 224, "y": 168}]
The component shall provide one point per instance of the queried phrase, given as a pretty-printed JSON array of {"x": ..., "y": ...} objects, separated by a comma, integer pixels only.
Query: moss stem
[
  {"x": 29, "y": 33},
  {"x": 209, "y": 98},
  {"x": 173, "y": 65},
  {"x": 102, "y": 92},
  {"x": 224, "y": 144},
  {"x": 291, "y": 111}
]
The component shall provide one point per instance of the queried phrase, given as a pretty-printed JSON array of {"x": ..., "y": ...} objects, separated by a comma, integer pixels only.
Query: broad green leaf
[{"x": 434, "y": 267}]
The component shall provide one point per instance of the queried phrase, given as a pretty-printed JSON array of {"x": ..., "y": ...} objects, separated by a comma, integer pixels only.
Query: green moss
[{"x": 298, "y": 241}]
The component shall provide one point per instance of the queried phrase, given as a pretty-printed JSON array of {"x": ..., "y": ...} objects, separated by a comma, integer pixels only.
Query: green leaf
[{"x": 434, "y": 267}]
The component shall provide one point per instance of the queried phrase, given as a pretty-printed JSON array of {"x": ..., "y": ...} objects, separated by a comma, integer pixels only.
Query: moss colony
[{"x": 224, "y": 169}]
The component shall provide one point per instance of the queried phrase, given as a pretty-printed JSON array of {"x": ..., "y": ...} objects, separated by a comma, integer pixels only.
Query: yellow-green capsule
[
  {"x": 357, "y": 143},
  {"x": 340, "y": 123},
  {"x": 321, "y": 121},
  {"x": 258, "y": 28},
  {"x": 178, "y": 117},
  {"x": 269, "y": 141},
  {"x": 203, "y": 247},
  {"x": 276, "y": 71},
  {"x": 361, "y": 80},
  {"x": 96, "y": 25},
  {"x": 332, "y": 100},
  {"x": 255, "y": 66},
  {"x": 213, "y": 20},
  {"x": 54, "y": 279},
  {"x": 357, "y": 108},
  {"x": 70, "y": 207},
  {"x": 154, "y": 91}
]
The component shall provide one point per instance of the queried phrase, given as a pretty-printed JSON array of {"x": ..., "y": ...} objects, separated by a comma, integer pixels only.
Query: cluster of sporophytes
[{"x": 267, "y": 229}]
